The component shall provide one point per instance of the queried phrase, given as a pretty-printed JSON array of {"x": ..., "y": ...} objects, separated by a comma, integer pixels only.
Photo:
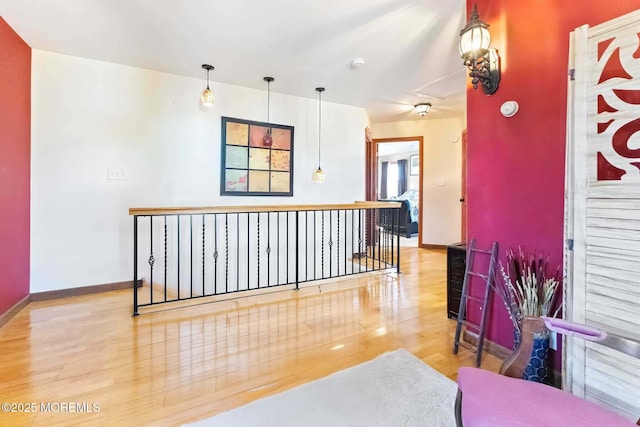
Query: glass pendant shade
[
  {"x": 267, "y": 139},
  {"x": 207, "y": 98},
  {"x": 318, "y": 176}
]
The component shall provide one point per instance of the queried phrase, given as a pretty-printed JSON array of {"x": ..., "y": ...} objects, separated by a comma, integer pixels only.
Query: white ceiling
[{"x": 410, "y": 46}]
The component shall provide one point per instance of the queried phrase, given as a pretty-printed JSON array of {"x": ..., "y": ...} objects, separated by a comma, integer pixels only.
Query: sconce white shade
[
  {"x": 207, "y": 98},
  {"x": 474, "y": 37},
  {"x": 475, "y": 42},
  {"x": 318, "y": 176}
]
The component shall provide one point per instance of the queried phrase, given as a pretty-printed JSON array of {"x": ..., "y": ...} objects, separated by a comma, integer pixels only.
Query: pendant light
[
  {"x": 207, "y": 96},
  {"x": 318, "y": 175},
  {"x": 267, "y": 140}
]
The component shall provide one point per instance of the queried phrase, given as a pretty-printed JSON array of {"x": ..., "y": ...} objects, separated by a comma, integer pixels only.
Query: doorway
[{"x": 394, "y": 165}]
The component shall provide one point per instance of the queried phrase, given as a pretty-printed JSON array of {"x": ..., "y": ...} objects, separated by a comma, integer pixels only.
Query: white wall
[
  {"x": 89, "y": 116},
  {"x": 442, "y": 160}
]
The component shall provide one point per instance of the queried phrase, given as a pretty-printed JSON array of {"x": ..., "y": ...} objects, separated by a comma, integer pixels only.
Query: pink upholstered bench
[{"x": 492, "y": 400}]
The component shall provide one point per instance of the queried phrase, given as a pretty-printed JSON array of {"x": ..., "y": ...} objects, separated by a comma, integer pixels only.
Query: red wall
[
  {"x": 15, "y": 154},
  {"x": 515, "y": 166}
]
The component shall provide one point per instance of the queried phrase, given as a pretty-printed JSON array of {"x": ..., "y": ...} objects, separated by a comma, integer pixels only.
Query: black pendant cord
[
  {"x": 208, "y": 68},
  {"x": 319, "y": 90},
  {"x": 268, "y": 80},
  {"x": 319, "y": 126}
]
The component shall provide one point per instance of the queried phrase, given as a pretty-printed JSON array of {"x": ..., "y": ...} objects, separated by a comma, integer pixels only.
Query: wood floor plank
[{"x": 179, "y": 365}]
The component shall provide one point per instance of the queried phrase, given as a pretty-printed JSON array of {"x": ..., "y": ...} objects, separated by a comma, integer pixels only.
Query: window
[{"x": 392, "y": 180}]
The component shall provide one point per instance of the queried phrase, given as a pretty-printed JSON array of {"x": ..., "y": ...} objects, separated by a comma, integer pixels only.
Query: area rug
[{"x": 394, "y": 389}]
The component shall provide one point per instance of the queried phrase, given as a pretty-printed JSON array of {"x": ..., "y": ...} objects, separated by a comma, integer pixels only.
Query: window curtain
[
  {"x": 383, "y": 180},
  {"x": 402, "y": 176}
]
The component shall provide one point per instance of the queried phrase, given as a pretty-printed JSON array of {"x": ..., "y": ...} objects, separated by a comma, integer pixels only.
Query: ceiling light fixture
[
  {"x": 423, "y": 108},
  {"x": 318, "y": 175},
  {"x": 483, "y": 63},
  {"x": 207, "y": 96},
  {"x": 267, "y": 139}
]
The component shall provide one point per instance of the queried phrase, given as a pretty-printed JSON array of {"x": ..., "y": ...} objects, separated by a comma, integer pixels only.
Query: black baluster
[
  {"x": 268, "y": 249},
  {"x": 330, "y": 243},
  {"x": 135, "y": 265},
  {"x": 359, "y": 240},
  {"x": 248, "y": 251},
  {"x": 353, "y": 229},
  {"x": 258, "y": 268},
  {"x": 379, "y": 242},
  {"x": 179, "y": 244},
  {"x": 322, "y": 245},
  {"x": 165, "y": 258},
  {"x": 278, "y": 248},
  {"x": 191, "y": 256},
  {"x": 338, "y": 244},
  {"x": 215, "y": 254},
  {"x": 345, "y": 243},
  {"x": 238, "y": 250},
  {"x": 315, "y": 245},
  {"x": 306, "y": 246},
  {"x": 152, "y": 260},
  {"x": 297, "y": 250},
  {"x": 287, "y": 245},
  {"x": 398, "y": 240},
  {"x": 226, "y": 253},
  {"x": 203, "y": 256}
]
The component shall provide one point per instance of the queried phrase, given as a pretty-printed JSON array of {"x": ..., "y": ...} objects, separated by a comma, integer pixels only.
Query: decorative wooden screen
[{"x": 603, "y": 209}]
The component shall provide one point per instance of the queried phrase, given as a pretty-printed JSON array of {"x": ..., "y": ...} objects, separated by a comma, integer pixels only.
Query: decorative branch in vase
[{"x": 529, "y": 291}]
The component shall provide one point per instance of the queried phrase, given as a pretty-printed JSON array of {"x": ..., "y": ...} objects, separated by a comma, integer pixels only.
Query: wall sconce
[
  {"x": 207, "y": 96},
  {"x": 483, "y": 62},
  {"x": 422, "y": 109}
]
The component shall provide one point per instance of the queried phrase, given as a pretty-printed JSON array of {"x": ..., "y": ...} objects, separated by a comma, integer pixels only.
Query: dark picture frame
[
  {"x": 249, "y": 167},
  {"x": 414, "y": 165}
]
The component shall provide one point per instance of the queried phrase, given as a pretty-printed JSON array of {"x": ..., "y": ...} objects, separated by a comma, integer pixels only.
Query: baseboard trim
[
  {"x": 83, "y": 290},
  {"x": 9, "y": 314},
  {"x": 429, "y": 246},
  {"x": 489, "y": 346},
  {"x": 502, "y": 352}
]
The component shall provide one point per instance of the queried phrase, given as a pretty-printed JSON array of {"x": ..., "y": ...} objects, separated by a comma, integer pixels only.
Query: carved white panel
[{"x": 603, "y": 180}]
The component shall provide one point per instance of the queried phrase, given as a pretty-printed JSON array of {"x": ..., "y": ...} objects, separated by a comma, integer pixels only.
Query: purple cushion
[{"x": 490, "y": 400}]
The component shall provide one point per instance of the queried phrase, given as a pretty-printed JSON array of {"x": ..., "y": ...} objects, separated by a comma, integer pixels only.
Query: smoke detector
[{"x": 357, "y": 63}]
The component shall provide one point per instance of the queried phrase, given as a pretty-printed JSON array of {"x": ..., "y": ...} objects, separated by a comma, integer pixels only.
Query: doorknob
[{"x": 462, "y": 199}]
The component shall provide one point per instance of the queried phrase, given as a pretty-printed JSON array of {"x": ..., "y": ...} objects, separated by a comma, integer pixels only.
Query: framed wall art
[
  {"x": 257, "y": 158},
  {"x": 414, "y": 165}
]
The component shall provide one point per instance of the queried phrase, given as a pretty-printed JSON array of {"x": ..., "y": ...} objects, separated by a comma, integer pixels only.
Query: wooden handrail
[{"x": 265, "y": 208}]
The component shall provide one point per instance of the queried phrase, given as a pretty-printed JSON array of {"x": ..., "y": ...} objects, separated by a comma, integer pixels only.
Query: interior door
[{"x": 602, "y": 221}]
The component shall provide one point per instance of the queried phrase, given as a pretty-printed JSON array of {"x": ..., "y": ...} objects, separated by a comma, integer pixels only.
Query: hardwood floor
[{"x": 181, "y": 365}]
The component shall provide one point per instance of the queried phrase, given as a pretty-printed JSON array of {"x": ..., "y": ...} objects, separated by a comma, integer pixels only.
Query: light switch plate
[
  {"x": 118, "y": 174},
  {"x": 441, "y": 182}
]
